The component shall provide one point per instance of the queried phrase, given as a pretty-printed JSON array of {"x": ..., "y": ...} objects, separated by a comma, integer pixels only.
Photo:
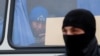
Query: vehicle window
[
  {"x": 37, "y": 23},
  {"x": 3, "y": 9}
]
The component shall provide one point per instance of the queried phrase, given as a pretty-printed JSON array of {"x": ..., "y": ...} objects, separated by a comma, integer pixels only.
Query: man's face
[
  {"x": 38, "y": 28},
  {"x": 70, "y": 30}
]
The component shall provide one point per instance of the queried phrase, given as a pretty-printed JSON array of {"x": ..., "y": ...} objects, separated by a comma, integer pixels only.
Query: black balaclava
[{"x": 83, "y": 44}]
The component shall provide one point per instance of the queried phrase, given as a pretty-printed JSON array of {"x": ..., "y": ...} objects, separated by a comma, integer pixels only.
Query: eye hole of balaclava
[{"x": 83, "y": 19}]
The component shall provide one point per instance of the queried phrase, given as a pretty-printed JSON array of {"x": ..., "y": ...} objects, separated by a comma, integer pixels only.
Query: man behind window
[{"x": 38, "y": 24}]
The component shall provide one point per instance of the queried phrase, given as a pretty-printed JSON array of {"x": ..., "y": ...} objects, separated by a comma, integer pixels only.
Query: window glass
[
  {"x": 37, "y": 23},
  {"x": 92, "y": 5},
  {"x": 30, "y": 21},
  {"x": 2, "y": 18}
]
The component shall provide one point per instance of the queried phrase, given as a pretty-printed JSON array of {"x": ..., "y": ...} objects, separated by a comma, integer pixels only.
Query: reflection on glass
[{"x": 2, "y": 16}]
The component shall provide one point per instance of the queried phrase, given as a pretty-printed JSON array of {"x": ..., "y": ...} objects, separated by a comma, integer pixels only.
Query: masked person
[{"x": 79, "y": 29}]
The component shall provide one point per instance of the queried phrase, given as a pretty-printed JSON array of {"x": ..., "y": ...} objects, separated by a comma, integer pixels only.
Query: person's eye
[
  {"x": 75, "y": 30},
  {"x": 64, "y": 30}
]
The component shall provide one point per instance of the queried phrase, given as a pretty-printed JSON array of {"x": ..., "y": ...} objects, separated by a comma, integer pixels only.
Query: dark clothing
[
  {"x": 83, "y": 44},
  {"x": 92, "y": 48}
]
